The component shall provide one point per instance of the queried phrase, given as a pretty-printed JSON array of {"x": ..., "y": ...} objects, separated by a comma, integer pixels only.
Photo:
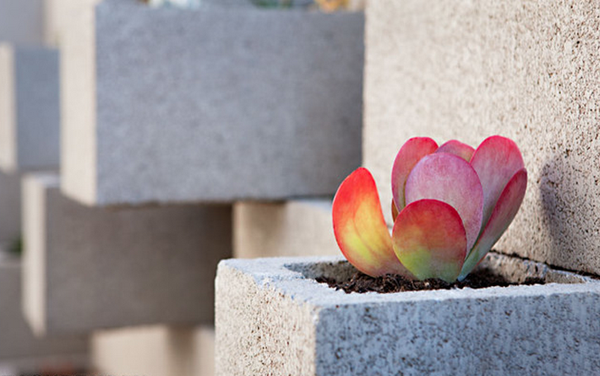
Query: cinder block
[
  {"x": 209, "y": 105},
  {"x": 292, "y": 228},
  {"x": 29, "y": 108},
  {"x": 522, "y": 69},
  {"x": 273, "y": 318},
  {"x": 89, "y": 268},
  {"x": 155, "y": 351},
  {"x": 10, "y": 207},
  {"x": 22, "y": 21},
  {"x": 19, "y": 348}
]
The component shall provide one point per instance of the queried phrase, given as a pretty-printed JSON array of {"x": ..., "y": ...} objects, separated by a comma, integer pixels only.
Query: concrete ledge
[
  {"x": 259, "y": 104},
  {"x": 18, "y": 346},
  {"x": 29, "y": 108},
  {"x": 292, "y": 228},
  {"x": 155, "y": 351},
  {"x": 273, "y": 318},
  {"x": 88, "y": 268}
]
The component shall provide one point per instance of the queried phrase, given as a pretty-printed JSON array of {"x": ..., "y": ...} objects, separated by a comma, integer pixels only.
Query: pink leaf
[
  {"x": 457, "y": 148},
  {"x": 448, "y": 178},
  {"x": 430, "y": 240},
  {"x": 409, "y": 155},
  {"x": 505, "y": 211},
  {"x": 360, "y": 229},
  {"x": 496, "y": 160}
]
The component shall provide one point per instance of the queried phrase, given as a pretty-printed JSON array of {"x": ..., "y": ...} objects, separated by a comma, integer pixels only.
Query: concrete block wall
[
  {"x": 89, "y": 268},
  {"x": 523, "y": 69},
  {"x": 22, "y": 21},
  {"x": 29, "y": 108}
]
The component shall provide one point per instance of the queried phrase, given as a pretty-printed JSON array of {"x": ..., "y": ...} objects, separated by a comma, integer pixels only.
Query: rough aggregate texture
[
  {"x": 139, "y": 265},
  {"x": 527, "y": 70},
  {"x": 252, "y": 104},
  {"x": 299, "y": 227},
  {"x": 534, "y": 330}
]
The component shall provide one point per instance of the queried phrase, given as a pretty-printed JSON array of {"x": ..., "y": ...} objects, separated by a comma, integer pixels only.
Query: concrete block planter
[
  {"x": 20, "y": 350},
  {"x": 171, "y": 105},
  {"x": 272, "y": 317},
  {"x": 89, "y": 268},
  {"x": 29, "y": 108}
]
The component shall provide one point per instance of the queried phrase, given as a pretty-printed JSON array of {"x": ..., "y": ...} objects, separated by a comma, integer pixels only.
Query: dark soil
[{"x": 390, "y": 283}]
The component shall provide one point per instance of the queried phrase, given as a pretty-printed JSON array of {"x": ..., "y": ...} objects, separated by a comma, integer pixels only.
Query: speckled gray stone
[
  {"x": 300, "y": 227},
  {"x": 527, "y": 70},
  {"x": 17, "y": 342},
  {"x": 273, "y": 318},
  {"x": 29, "y": 108},
  {"x": 90, "y": 268},
  {"x": 170, "y": 105}
]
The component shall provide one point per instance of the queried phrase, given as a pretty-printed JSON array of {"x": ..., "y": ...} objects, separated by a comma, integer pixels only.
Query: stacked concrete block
[
  {"x": 19, "y": 349},
  {"x": 292, "y": 228},
  {"x": 155, "y": 351},
  {"x": 522, "y": 69},
  {"x": 272, "y": 317},
  {"x": 171, "y": 105},
  {"x": 89, "y": 268},
  {"x": 22, "y": 21},
  {"x": 29, "y": 108}
]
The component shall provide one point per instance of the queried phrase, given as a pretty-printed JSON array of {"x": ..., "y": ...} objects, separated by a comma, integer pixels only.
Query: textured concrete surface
[
  {"x": 273, "y": 318},
  {"x": 21, "y": 21},
  {"x": 291, "y": 228},
  {"x": 89, "y": 268},
  {"x": 527, "y": 70},
  {"x": 10, "y": 207},
  {"x": 257, "y": 103},
  {"x": 18, "y": 345},
  {"x": 29, "y": 100},
  {"x": 155, "y": 351}
]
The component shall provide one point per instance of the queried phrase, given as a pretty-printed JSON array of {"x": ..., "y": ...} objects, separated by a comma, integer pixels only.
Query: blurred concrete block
[
  {"x": 292, "y": 228},
  {"x": 171, "y": 105},
  {"x": 22, "y": 21},
  {"x": 19, "y": 349},
  {"x": 29, "y": 108},
  {"x": 155, "y": 351},
  {"x": 89, "y": 268},
  {"x": 525, "y": 70},
  {"x": 10, "y": 207}
]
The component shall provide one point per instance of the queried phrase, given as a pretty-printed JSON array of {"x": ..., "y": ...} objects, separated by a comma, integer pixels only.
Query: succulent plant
[{"x": 450, "y": 205}]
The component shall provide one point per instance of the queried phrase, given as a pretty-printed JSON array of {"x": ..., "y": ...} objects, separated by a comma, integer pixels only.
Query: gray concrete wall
[
  {"x": 22, "y": 21},
  {"x": 88, "y": 268},
  {"x": 527, "y": 70}
]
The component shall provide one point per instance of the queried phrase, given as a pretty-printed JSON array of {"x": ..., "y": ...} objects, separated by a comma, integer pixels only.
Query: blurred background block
[
  {"x": 10, "y": 208},
  {"x": 88, "y": 268},
  {"x": 291, "y": 228},
  {"x": 19, "y": 349},
  {"x": 29, "y": 108},
  {"x": 169, "y": 105},
  {"x": 22, "y": 21},
  {"x": 155, "y": 351}
]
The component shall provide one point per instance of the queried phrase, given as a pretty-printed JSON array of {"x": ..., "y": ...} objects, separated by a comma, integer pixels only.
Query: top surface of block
[
  {"x": 216, "y": 105},
  {"x": 521, "y": 69}
]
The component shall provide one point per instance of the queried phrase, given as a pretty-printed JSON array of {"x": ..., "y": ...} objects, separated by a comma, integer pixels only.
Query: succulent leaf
[
  {"x": 430, "y": 240},
  {"x": 496, "y": 160},
  {"x": 505, "y": 211},
  {"x": 360, "y": 229},
  {"x": 409, "y": 155},
  {"x": 457, "y": 148},
  {"x": 449, "y": 178}
]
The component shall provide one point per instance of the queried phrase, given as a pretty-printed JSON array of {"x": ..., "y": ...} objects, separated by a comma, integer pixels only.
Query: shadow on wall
[{"x": 570, "y": 217}]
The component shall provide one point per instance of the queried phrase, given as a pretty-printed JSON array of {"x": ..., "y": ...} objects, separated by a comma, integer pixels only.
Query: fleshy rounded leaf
[
  {"x": 430, "y": 240},
  {"x": 360, "y": 229},
  {"x": 505, "y": 211},
  {"x": 448, "y": 178},
  {"x": 457, "y": 148},
  {"x": 496, "y": 161},
  {"x": 409, "y": 155}
]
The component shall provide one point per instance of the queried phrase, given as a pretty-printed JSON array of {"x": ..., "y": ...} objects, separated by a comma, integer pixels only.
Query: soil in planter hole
[{"x": 390, "y": 283}]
